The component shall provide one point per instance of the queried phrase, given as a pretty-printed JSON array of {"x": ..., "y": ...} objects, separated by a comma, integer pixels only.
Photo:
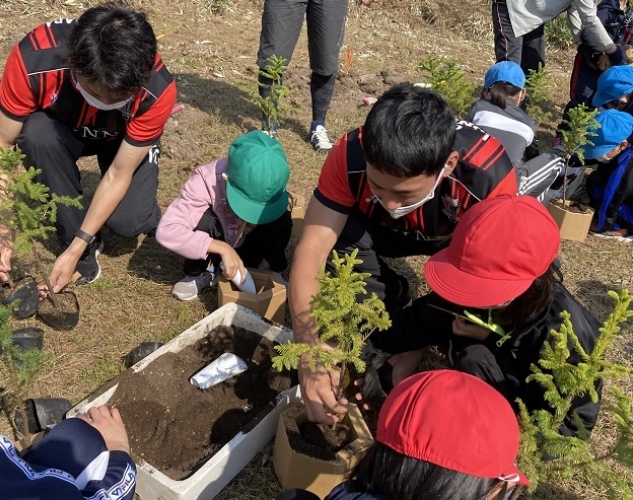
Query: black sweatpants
[
  {"x": 527, "y": 50},
  {"x": 51, "y": 146},
  {"x": 375, "y": 242},
  {"x": 266, "y": 241},
  {"x": 282, "y": 21}
]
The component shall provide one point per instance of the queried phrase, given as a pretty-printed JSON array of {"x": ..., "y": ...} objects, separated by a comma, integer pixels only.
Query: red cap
[
  {"x": 454, "y": 420},
  {"x": 500, "y": 246}
]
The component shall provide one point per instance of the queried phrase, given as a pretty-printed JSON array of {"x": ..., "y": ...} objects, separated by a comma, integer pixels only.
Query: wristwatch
[{"x": 82, "y": 235}]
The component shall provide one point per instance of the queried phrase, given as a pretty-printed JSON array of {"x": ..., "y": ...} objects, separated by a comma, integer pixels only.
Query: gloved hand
[{"x": 618, "y": 57}]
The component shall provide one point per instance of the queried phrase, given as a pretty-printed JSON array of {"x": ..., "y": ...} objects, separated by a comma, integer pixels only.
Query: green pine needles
[
  {"x": 448, "y": 80},
  {"x": 538, "y": 98},
  {"x": 564, "y": 383},
  {"x": 343, "y": 323},
  {"x": 576, "y": 133},
  {"x": 272, "y": 105},
  {"x": 18, "y": 369},
  {"x": 27, "y": 207}
]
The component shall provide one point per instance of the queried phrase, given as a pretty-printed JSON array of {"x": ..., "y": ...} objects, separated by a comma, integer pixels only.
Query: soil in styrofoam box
[{"x": 176, "y": 427}]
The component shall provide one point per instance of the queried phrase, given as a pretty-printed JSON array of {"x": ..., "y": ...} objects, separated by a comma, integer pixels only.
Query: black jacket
[{"x": 421, "y": 326}]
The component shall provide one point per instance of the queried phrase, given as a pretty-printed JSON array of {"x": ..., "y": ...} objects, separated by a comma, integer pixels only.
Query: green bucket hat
[{"x": 257, "y": 174}]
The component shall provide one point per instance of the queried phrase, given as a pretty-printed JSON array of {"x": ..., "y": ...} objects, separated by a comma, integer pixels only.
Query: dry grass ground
[{"x": 212, "y": 58}]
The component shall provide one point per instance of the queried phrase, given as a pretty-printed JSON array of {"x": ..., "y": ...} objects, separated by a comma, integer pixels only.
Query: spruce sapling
[
  {"x": 343, "y": 322},
  {"x": 272, "y": 105},
  {"x": 576, "y": 134},
  {"x": 27, "y": 207},
  {"x": 19, "y": 368},
  {"x": 448, "y": 80},
  {"x": 564, "y": 383}
]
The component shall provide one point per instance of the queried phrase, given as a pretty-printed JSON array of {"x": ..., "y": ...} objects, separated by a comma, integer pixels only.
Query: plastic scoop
[
  {"x": 226, "y": 366},
  {"x": 248, "y": 286}
]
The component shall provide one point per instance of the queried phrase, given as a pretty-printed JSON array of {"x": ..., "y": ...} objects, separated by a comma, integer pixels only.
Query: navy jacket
[{"x": 610, "y": 190}]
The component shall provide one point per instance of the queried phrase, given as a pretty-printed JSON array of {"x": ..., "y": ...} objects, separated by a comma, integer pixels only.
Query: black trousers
[
  {"x": 267, "y": 241},
  {"x": 527, "y": 50},
  {"x": 54, "y": 148},
  {"x": 374, "y": 242}
]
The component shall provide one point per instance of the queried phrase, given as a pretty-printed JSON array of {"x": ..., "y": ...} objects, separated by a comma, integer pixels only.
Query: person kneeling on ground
[
  {"x": 498, "y": 112},
  {"x": 610, "y": 187},
  {"x": 393, "y": 188},
  {"x": 233, "y": 210},
  {"x": 94, "y": 86},
  {"x": 500, "y": 265},
  {"x": 441, "y": 435},
  {"x": 80, "y": 458}
]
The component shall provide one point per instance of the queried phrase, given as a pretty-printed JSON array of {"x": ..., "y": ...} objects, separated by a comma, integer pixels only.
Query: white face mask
[
  {"x": 96, "y": 103},
  {"x": 396, "y": 213}
]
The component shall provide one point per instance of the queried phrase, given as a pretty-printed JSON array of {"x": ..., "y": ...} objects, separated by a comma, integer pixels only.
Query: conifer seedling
[
  {"x": 344, "y": 323},
  {"x": 272, "y": 106},
  {"x": 18, "y": 369},
  {"x": 563, "y": 384},
  {"x": 576, "y": 134},
  {"x": 28, "y": 209}
]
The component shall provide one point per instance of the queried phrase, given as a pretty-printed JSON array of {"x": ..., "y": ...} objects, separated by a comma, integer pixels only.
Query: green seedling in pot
[{"x": 489, "y": 325}]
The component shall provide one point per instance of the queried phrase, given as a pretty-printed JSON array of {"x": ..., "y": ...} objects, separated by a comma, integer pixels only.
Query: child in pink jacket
[{"x": 233, "y": 210}]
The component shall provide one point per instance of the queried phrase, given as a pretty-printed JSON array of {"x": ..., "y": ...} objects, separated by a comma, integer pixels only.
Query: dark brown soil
[
  {"x": 176, "y": 427},
  {"x": 574, "y": 207},
  {"x": 65, "y": 316},
  {"x": 318, "y": 440}
]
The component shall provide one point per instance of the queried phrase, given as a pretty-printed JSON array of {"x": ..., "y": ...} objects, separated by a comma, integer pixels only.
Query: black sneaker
[{"x": 88, "y": 268}]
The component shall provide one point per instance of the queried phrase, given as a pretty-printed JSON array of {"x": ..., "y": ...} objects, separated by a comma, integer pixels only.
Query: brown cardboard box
[
  {"x": 298, "y": 212},
  {"x": 270, "y": 300},
  {"x": 296, "y": 470},
  {"x": 573, "y": 225}
]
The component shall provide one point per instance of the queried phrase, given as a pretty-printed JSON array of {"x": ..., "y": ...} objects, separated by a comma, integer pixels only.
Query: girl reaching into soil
[
  {"x": 233, "y": 210},
  {"x": 499, "y": 113},
  {"x": 499, "y": 265},
  {"x": 436, "y": 440}
]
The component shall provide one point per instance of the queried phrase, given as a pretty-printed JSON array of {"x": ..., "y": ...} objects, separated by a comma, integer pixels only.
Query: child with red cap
[
  {"x": 442, "y": 435},
  {"x": 499, "y": 267}
]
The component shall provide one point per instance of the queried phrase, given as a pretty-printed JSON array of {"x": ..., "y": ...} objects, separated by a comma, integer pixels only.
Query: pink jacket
[{"x": 205, "y": 188}]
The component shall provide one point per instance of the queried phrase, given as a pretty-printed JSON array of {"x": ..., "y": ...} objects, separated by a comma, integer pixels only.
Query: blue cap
[
  {"x": 505, "y": 71},
  {"x": 614, "y": 83},
  {"x": 615, "y": 127}
]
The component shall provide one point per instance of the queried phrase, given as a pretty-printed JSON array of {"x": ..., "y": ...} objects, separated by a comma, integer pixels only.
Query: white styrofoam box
[{"x": 214, "y": 475}]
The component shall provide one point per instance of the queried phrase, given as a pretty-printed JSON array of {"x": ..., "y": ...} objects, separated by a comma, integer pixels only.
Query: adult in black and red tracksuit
[
  {"x": 395, "y": 187},
  {"x": 94, "y": 86}
]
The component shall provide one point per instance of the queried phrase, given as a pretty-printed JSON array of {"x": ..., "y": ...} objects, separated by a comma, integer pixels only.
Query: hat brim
[
  {"x": 255, "y": 213},
  {"x": 601, "y": 98},
  {"x": 592, "y": 152},
  {"x": 468, "y": 290}
]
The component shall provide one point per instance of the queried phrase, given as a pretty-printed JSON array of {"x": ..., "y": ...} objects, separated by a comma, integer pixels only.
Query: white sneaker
[
  {"x": 320, "y": 139},
  {"x": 189, "y": 287}
]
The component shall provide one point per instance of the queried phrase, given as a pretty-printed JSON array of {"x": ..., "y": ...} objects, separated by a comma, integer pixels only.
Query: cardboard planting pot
[
  {"x": 573, "y": 225},
  {"x": 217, "y": 472},
  {"x": 269, "y": 301},
  {"x": 297, "y": 470}
]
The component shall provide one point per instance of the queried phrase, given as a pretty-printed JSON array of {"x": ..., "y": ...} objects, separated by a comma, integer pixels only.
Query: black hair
[
  {"x": 615, "y": 103},
  {"x": 500, "y": 92},
  {"x": 113, "y": 46},
  {"x": 530, "y": 303},
  {"x": 409, "y": 132},
  {"x": 386, "y": 472}
]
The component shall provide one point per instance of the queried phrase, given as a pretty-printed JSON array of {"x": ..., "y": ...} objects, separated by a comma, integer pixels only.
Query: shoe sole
[
  {"x": 97, "y": 253},
  {"x": 213, "y": 283}
]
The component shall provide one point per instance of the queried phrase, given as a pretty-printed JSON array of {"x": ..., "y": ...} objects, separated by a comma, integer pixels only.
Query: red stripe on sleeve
[
  {"x": 484, "y": 154},
  {"x": 41, "y": 36}
]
